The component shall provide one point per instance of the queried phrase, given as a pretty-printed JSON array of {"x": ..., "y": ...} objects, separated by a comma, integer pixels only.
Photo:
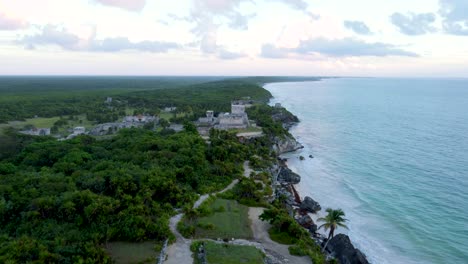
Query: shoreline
[{"x": 353, "y": 254}]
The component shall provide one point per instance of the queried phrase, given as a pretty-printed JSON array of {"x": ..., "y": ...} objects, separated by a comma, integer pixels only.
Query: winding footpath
[{"x": 179, "y": 252}]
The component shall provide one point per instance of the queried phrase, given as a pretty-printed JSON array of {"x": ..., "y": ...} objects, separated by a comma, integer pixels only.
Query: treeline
[
  {"x": 26, "y": 97},
  {"x": 60, "y": 201}
]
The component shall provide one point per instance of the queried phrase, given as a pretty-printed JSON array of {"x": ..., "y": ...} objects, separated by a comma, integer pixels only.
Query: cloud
[
  {"x": 130, "y": 5},
  {"x": 413, "y": 24},
  {"x": 455, "y": 16},
  {"x": 52, "y": 35},
  {"x": 296, "y": 4},
  {"x": 122, "y": 43},
  {"x": 272, "y": 52},
  {"x": 7, "y": 23},
  {"x": 350, "y": 47},
  {"x": 347, "y": 47},
  {"x": 59, "y": 36},
  {"x": 229, "y": 55},
  {"x": 204, "y": 13},
  {"x": 358, "y": 27}
]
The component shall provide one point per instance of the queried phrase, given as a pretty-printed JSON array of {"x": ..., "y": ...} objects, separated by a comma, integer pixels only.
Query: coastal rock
[
  {"x": 305, "y": 221},
  {"x": 341, "y": 248},
  {"x": 286, "y": 194},
  {"x": 287, "y": 144},
  {"x": 285, "y": 117},
  {"x": 310, "y": 205},
  {"x": 313, "y": 229},
  {"x": 288, "y": 176}
]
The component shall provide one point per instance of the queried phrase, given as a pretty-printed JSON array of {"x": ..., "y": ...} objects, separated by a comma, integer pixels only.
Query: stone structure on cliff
[{"x": 236, "y": 119}]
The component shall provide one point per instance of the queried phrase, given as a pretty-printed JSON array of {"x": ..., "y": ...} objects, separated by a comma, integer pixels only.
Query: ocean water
[{"x": 393, "y": 154}]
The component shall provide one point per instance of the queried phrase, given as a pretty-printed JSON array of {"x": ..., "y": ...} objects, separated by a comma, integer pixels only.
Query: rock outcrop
[
  {"x": 287, "y": 144},
  {"x": 310, "y": 205},
  {"x": 305, "y": 221},
  {"x": 341, "y": 248},
  {"x": 288, "y": 176},
  {"x": 286, "y": 118},
  {"x": 283, "y": 191}
]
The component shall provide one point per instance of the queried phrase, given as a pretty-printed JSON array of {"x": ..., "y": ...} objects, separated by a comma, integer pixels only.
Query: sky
[{"x": 398, "y": 38}]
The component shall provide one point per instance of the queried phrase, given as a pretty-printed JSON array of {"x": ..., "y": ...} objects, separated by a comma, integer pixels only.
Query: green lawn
[
  {"x": 232, "y": 254},
  {"x": 248, "y": 129},
  {"x": 126, "y": 252},
  {"x": 232, "y": 222}
]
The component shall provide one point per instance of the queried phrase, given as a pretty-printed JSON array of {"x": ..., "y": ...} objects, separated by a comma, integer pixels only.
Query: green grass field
[
  {"x": 232, "y": 254},
  {"x": 126, "y": 252},
  {"x": 233, "y": 222}
]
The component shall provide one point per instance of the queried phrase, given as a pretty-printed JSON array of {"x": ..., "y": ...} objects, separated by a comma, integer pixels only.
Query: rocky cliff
[{"x": 286, "y": 144}]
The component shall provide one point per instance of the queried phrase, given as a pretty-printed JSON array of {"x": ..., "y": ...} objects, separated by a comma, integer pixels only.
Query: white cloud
[{"x": 130, "y": 5}]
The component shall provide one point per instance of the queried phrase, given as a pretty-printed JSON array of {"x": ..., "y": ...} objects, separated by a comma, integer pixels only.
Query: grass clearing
[
  {"x": 232, "y": 254},
  {"x": 126, "y": 252},
  {"x": 228, "y": 220}
]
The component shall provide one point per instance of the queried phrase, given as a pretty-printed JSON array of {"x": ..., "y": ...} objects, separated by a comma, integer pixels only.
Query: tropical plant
[{"x": 333, "y": 220}]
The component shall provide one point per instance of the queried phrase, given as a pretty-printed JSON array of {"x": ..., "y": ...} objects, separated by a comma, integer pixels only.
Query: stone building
[
  {"x": 237, "y": 119},
  {"x": 37, "y": 132}
]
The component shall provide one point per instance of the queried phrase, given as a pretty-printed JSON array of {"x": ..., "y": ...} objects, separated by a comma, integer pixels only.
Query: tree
[
  {"x": 334, "y": 219},
  {"x": 164, "y": 123}
]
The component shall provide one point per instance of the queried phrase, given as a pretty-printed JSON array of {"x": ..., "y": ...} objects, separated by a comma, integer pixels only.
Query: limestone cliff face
[{"x": 287, "y": 144}]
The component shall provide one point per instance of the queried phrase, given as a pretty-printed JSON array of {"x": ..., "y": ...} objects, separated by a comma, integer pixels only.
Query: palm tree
[{"x": 334, "y": 219}]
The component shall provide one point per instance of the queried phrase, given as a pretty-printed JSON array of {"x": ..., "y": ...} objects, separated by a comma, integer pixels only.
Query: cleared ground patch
[
  {"x": 228, "y": 219},
  {"x": 232, "y": 254},
  {"x": 126, "y": 252}
]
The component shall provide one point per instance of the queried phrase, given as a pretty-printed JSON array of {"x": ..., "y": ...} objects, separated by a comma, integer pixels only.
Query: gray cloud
[
  {"x": 52, "y": 35},
  {"x": 358, "y": 27},
  {"x": 58, "y": 36},
  {"x": 347, "y": 47},
  {"x": 413, "y": 24},
  {"x": 272, "y": 52},
  {"x": 130, "y": 5},
  {"x": 7, "y": 23},
  {"x": 455, "y": 16},
  {"x": 229, "y": 55}
]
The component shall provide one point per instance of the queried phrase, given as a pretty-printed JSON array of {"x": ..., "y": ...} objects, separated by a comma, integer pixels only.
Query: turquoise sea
[{"x": 393, "y": 154}]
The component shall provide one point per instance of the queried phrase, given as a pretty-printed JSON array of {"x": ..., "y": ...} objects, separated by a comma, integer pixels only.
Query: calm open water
[{"x": 393, "y": 154}]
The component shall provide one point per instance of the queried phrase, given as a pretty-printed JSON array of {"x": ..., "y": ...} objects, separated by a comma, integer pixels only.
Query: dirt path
[
  {"x": 260, "y": 233},
  {"x": 179, "y": 252}
]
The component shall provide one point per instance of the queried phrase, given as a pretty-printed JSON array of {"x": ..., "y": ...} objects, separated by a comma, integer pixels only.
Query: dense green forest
[
  {"x": 27, "y": 97},
  {"x": 60, "y": 200}
]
